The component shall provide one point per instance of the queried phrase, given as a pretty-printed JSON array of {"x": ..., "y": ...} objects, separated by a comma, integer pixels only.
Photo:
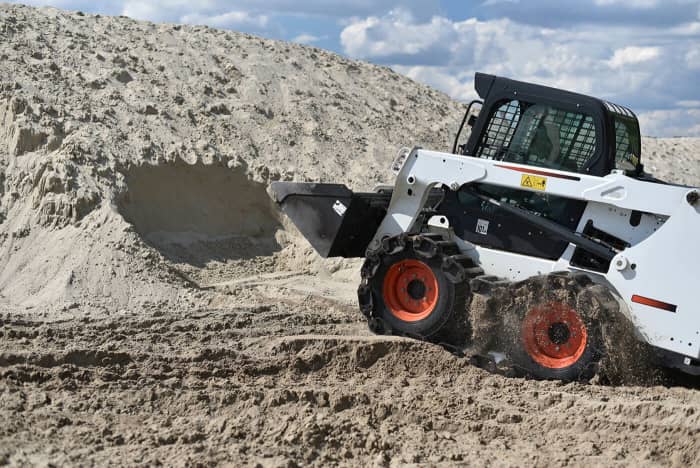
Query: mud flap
[{"x": 335, "y": 221}]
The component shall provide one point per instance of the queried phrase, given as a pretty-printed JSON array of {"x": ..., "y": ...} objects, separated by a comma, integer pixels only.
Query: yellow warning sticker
[{"x": 533, "y": 182}]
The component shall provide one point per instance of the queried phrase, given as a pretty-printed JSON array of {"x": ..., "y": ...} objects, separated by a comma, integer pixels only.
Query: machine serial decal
[
  {"x": 533, "y": 182},
  {"x": 654, "y": 303},
  {"x": 482, "y": 226},
  {"x": 535, "y": 171}
]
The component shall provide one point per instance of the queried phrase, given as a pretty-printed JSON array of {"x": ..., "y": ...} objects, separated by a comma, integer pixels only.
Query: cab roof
[{"x": 491, "y": 87}]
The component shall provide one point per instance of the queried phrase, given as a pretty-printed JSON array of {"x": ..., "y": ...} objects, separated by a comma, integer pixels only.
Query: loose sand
[{"x": 155, "y": 308}]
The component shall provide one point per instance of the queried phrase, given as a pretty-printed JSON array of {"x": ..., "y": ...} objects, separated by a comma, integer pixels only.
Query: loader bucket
[{"x": 335, "y": 221}]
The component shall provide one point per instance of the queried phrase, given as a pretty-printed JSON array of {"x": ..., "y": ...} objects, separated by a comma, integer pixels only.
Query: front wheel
[
  {"x": 419, "y": 290},
  {"x": 556, "y": 341}
]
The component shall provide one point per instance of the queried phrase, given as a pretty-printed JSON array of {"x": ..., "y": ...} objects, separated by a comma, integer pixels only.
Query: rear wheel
[
  {"x": 557, "y": 343},
  {"x": 563, "y": 326}
]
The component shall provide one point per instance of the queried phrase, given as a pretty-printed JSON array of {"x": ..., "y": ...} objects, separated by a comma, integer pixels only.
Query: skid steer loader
[{"x": 537, "y": 239}]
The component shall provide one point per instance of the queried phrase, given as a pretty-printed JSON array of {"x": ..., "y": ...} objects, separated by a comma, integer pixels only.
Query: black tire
[
  {"x": 613, "y": 353},
  {"x": 535, "y": 303},
  {"x": 447, "y": 321}
]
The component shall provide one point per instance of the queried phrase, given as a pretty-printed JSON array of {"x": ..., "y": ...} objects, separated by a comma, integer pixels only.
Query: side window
[
  {"x": 539, "y": 135},
  {"x": 627, "y": 144},
  {"x": 500, "y": 131}
]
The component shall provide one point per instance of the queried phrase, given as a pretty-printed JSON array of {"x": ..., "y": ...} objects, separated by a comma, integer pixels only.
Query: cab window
[
  {"x": 539, "y": 135},
  {"x": 627, "y": 143}
]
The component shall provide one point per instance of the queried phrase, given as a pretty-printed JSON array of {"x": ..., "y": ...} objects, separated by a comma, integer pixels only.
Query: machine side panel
[{"x": 663, "y": 269}]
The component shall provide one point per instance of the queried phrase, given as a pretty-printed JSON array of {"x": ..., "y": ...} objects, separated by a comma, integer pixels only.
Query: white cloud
[
  {"x": 163, "y": 10},
  {"x": 157, "y": 10},
  {"x": 446, "y": 53},
  {"x": 439, "y": 50},
  {"x": 671, "y": 122},
  {"x": 459, "y": 87},
  {"x": 210, "y": 12},
  {"x": 692, "y": 58},
  {"x": 498, "y": 2},
  {"x": 685, "y": 29},
  {"x": 231, "y": 19},
  {"x": 644, "y": 4},
  {"x": 307, "y": 38},
  {"x": 633, "y": 55},
  {"x": 376, "y": 37},
  {"x": 689, "y": 103}
]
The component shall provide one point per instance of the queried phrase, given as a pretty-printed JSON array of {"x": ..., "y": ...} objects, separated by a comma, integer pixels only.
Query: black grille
[
  {"x": 520, "y": 137},
  {"x": 500, "y": 130}
]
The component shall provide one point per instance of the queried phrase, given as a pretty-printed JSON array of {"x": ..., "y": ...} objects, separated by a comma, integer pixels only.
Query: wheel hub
[
  {"x": 559, "y": 333},
  {"x": 410, "y": 290},
  {"x": 416, "y": 289},
  {"x": 554, "y": 335}
]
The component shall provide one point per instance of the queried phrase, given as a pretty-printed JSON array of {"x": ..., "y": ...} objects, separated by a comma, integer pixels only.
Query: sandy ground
[
  {"x": 296, "y": 379},
  {"x": 156, "y": 309}
]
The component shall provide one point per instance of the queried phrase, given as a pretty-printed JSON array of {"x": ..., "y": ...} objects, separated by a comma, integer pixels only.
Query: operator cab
[
  {"x": 539, "y": 126},
  {"x": 548, "y": 127}
]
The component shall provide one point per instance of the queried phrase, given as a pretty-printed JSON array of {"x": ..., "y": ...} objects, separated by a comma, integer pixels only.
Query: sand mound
[
  {"x": 674, "y": 160},
  {"x": 132, "y": 153},
  {"x": 129, "y": 149}
]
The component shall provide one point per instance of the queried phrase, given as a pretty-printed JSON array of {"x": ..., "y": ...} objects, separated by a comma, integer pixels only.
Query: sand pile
[
  {"x": 134, "y": 155},
  {"x": 114, "y": 132},
  {"x": 674, "y": 160}
]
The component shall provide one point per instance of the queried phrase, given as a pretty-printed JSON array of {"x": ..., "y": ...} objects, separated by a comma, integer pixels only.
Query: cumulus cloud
[
  {"x": 307, "y": 38},
  {"x": 375, "y": 37},
  {"x": 445, "y": 54},
  {"x": 230, "y": 19},
  {"x": 458, "y": 86},
  {"x": 632, "y": 55},
  {"x": 628, "y": 3},
  {"x": 671, "y": 122},
  {"x": 689, "y": 103},
  {"x": 692, "y": 58},
  {"x": 497, "y": 2},
  {"x": 553, "y": 13}
]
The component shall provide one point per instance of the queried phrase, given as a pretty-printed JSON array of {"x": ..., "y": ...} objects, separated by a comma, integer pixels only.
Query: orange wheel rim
[
  {"x": 554, "y": 335},
  {"x": 410, "y": 290}
]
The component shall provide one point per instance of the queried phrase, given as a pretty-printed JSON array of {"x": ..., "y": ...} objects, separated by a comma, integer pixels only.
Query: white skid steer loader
[{"x": 535, "y": 239}]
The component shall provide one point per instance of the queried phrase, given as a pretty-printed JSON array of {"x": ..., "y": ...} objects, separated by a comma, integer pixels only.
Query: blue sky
[{"x": 641, "y": 53}]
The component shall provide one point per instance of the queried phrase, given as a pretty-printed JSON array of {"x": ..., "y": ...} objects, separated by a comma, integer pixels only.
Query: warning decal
[
  {"x": 339, "y": 208},
  {"x": 533, "y": 182}
]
